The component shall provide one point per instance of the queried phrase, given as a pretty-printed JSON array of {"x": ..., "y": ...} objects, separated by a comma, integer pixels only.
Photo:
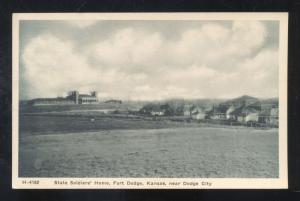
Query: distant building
[
  {"x": 83, "y": 98},
  {"x": 229, "y": 113},
  {"x": 274, "y": 116},
  {"x": 246, "y": 110},
  {"x": 194, "y": 112},
  {"x": 199, "y": 115},
  {"x": 153, "y": 110},
  {"x": 73, "y": 98},
  {"x": 219, "y": 112},
  {"x": 244, "y": 114},
  {"x": 269, "y": 117},
  {"x": 187, "y": 110},
  {"x": 157, "y": 113},
  {"x": 252, "y": 117},
  {"x": 50, "y": 101}
]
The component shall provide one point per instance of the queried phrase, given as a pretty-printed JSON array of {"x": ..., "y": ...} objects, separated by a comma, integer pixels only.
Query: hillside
[{"x": 245, "y": 99}]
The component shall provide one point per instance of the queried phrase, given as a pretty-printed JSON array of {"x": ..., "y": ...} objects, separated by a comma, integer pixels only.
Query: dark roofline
[
  {"x": 49, "y": 99},
  {"x": 86, "y": 96},
  {"x": 220, "y": 109}
]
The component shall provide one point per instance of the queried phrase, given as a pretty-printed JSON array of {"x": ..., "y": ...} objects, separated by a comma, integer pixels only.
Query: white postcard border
[{"x": 154, "y": 183}]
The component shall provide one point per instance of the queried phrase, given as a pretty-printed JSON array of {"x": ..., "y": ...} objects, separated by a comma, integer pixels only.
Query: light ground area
[{"x": 166, "y": 152}]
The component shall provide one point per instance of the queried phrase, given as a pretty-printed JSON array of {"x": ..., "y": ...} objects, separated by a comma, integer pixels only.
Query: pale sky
[{"x": 149, "y": 60}]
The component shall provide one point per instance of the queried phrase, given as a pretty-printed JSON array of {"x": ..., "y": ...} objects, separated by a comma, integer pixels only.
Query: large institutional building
[{"x": 74, "y": 97}]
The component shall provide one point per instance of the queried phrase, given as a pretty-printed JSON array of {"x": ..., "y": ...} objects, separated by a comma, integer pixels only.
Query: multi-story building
[{"x": 73, "y": 98}]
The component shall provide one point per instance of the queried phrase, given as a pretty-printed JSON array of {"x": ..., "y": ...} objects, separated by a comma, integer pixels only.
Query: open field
[
  {"x": 100, "y": 106},
  {"x": 49, "y": 124},
  {"x": 109, "y": 147}
]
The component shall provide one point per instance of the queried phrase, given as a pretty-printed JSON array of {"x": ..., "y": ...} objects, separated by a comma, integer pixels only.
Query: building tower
[
  {"x": 74, "y": 95},
  {"x": 94, "y": 93}
]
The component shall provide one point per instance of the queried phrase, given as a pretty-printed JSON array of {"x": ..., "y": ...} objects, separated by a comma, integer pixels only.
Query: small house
[
  {"x": 198, "y": 113},
  {"x": 244, "y": 114},
  {"x": 229, "y": 114},
  {"x": 152, "y": 109},
  {"x": 274, "y": 120},
  {"x": 264, "y": 116},
  {"x": 237, "y": 114},
  {"x": 269, "y": 117},
  {"x": 157, "y": 113},
  {"x": 219, "y": 112},
  {"x": 187, "y": 110},
  {"x": 252, "y": 117}
]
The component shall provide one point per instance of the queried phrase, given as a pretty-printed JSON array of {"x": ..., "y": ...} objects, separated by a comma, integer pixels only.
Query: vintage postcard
[{"x": 150, "y": 101}]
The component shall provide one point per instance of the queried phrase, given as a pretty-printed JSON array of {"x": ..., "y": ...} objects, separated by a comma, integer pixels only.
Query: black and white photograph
[{"x": 150, "y": 100}]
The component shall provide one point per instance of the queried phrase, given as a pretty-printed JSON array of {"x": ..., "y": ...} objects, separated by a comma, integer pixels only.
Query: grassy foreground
[{"x": 142, "y": 152}]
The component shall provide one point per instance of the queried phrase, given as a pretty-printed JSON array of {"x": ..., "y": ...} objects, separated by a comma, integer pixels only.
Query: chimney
[{"x": 94, "y": 93}]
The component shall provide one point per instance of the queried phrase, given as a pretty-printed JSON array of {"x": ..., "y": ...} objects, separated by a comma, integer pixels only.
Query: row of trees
[{"x": 167, "y": 108}]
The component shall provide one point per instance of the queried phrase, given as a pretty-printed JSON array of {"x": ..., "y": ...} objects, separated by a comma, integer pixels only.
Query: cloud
[
  {"x": 51, "y": 67},
  {"x": 127, "y": 46},
  {"x": 210, "y": 44},
  {"x": 207, "y": 61},
  {"x": 213, "y": 44},
  {"x": 82, "y": 23}
]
